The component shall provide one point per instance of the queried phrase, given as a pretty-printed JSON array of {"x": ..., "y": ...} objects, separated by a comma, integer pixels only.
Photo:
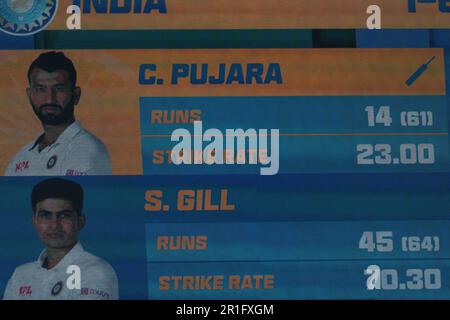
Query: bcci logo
[{"x": 26, "y": 17}]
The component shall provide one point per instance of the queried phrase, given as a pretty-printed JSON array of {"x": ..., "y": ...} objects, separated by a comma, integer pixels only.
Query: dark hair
[
  {"x": 52, "y": 61},
  {"x": 59, "y": 189}
]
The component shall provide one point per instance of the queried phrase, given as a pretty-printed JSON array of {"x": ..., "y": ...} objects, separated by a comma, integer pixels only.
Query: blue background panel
[
  {"x": 313, "y": 154},
  {"x": 298, "y": 280},
  {"x": 10, "y": 42},
  {"x": 293, "y": 240},
  {"x": 393, "y": 38},
  {"x": 334, "y": 114},
  {"x": 116, "y": 218}
]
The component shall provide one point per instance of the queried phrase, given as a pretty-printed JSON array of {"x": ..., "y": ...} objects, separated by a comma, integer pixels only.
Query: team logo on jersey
[
  {"x": 57, "y": 288},
  {"x": 51, "y": 162},
  {"x": 26, "y": 17}
]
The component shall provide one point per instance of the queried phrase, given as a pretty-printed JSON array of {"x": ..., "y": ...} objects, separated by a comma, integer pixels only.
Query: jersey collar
[
  {"x": 68, "y": 259},
  {"x": 69, "y": 133},
  {"x": 36, "y": 142},
  {"x": 66, "y": 135}
]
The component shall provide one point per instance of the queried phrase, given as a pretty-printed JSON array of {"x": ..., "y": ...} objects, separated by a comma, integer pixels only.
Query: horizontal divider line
[
  {"x": 306, "y": 260},
  {"x": 317, "y": 134}
]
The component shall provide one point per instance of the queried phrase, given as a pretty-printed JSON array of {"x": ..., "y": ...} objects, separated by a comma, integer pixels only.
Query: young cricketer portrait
[{"x": 64, "y": 270}]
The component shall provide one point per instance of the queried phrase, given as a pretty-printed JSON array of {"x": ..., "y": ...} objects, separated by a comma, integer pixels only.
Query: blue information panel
[
  {"x": 338, "y": 279},
  {"x": 298, "y": 260},
  {"x": 293, "y": 240},
  {"x": 316, "y": 134},
  {"x": 337, "y": 236}
]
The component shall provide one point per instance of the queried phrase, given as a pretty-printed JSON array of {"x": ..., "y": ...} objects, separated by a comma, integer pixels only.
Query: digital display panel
[{"x": 224, "y": 150}]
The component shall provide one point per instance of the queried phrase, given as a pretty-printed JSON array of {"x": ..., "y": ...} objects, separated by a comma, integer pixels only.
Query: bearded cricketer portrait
[{"x": 64, "y": 148}]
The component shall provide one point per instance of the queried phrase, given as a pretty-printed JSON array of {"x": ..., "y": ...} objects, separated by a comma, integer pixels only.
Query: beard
[{"x": 63, "y": 116}]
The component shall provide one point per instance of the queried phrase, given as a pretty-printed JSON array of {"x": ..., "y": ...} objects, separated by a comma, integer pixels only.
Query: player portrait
[
  {"x": 64, "y": 270},
  {"x": 64, "y": 147}
]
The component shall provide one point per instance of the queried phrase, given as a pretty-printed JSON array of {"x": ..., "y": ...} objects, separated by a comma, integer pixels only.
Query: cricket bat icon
[{"x": 418, "y": 73}]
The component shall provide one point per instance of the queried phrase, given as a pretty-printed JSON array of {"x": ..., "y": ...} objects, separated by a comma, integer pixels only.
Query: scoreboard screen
[{"x": 225, "y": 150}]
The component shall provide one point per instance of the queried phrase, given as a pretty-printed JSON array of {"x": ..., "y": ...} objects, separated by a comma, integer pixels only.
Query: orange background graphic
[
  {"x": 109, "y": 80},
  {"x": 261, "y": 14}
]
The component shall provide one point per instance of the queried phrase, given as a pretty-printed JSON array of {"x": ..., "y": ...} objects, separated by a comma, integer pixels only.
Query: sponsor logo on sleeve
[
  {"x": 71, "y": 172},
  {"x": 94, "y": 292}
]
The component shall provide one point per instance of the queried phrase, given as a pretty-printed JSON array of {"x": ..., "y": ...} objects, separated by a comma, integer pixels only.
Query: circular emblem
[
  {"x": 57, "y": 288},
  {"x": 26, "y": 17},
  {"x": 51, "y": 162}
]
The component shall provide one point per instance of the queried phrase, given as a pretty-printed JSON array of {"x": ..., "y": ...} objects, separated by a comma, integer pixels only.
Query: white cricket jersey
[
  {"x": 31, "y": 281},
  {"x": 75, "y": 152}
]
